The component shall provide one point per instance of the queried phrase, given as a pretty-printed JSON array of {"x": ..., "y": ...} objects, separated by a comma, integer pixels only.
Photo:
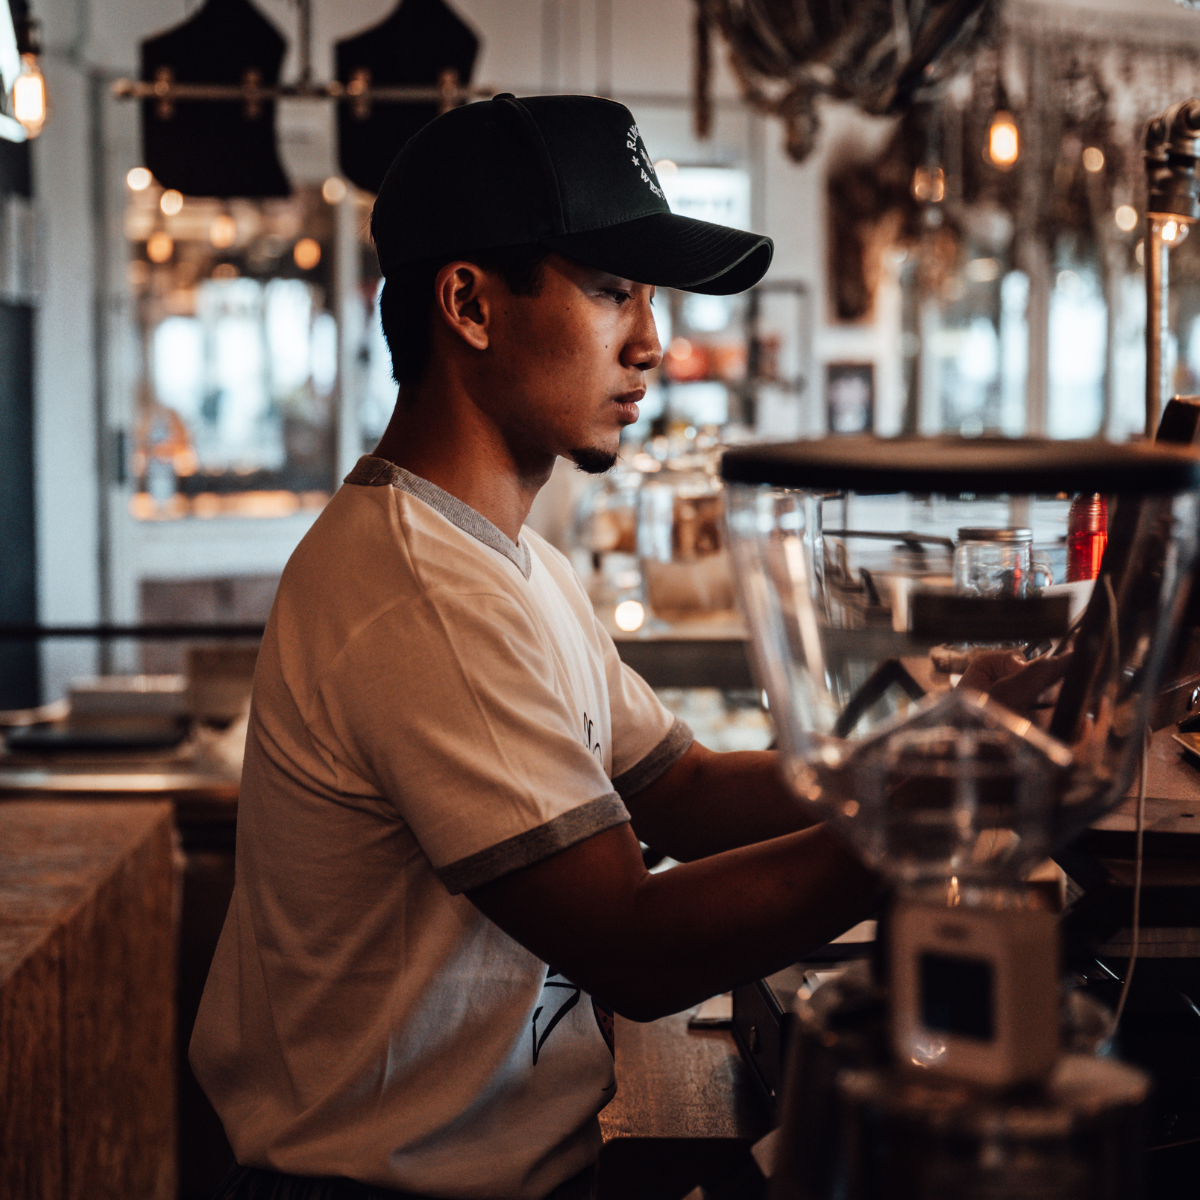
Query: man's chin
[{"x": 593, "y": 461}]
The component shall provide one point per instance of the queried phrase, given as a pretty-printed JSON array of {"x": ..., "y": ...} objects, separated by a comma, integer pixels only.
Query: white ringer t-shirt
[{"x": 434, "y": 706}]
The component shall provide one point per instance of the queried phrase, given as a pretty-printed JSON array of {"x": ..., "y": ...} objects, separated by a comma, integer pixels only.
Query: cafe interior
[{"x": 958, "y": 415}]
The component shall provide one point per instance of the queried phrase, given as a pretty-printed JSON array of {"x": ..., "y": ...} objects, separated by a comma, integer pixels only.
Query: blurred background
[
  {"x": 186, "y": 377},
  {"x": 191, "y": 360}
]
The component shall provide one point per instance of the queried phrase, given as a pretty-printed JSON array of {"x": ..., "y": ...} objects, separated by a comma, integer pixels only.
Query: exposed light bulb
[
  {"x": 171, "y": 202},
  {"x": 29, "y": 96},
  {"x": 929, "y": 184},
  {"x": 1126, "y": 218},
  {"x": 1093, "y": 159},
  {"x": 1173, "y": 232},
  {"x": 138, "y": 179},
  {"x": 334, "y": 190},
  {"x": 1004, "y": 142}
]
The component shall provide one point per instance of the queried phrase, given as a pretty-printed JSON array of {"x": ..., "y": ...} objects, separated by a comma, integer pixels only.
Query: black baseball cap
[{"x": 570, "y": 173}]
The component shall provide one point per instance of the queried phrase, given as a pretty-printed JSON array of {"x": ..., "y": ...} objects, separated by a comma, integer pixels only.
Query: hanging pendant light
[
  {"x": 22, "y": 83},
  {"x": 29, "y": 96}
]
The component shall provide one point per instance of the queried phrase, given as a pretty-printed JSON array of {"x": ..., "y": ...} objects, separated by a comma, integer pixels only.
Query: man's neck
[{"x": 445, "y": 439}]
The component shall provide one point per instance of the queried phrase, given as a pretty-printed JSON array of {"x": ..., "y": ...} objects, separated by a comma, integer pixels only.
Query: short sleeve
[
  {"x": 647, "y": 738},
  {"x": 449, "y": 707}
]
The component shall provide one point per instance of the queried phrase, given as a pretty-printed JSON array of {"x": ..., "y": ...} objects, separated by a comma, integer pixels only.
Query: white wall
[{"x": 65, "y": 392}]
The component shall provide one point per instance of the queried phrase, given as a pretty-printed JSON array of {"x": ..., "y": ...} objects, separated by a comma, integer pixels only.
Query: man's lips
[{"x": 627, "y": 406}]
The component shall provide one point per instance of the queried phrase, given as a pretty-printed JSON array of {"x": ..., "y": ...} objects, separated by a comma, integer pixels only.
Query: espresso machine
[{"x": 958, "y": 720}]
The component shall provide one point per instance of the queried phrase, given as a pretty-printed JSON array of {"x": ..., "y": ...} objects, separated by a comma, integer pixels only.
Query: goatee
[{"x": 592, "y": 461}]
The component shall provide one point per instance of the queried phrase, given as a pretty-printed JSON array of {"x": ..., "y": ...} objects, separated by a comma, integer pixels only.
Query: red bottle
[{"x": 1087, "y": 535}]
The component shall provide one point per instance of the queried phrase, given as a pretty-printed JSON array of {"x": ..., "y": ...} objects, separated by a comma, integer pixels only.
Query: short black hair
[{"x": 406, "y": 303}]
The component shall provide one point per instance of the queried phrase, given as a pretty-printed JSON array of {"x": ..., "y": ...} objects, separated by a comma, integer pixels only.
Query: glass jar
[
  {"x": 997, "y": 563},
  {"x": 686, "y": 568}
]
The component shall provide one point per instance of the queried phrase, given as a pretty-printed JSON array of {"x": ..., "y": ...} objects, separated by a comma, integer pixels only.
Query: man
[{"x": 440, "y": 894}]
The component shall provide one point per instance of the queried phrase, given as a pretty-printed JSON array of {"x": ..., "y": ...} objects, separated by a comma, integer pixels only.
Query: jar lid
[
  {"x": 985, "y": 466},
  {"x": 979, "y": 533}
]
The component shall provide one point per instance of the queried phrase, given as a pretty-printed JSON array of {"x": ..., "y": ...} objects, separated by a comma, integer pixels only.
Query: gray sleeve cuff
[
  {"x": 525, "y": 849},
  {"x": 658, "y": 762}
]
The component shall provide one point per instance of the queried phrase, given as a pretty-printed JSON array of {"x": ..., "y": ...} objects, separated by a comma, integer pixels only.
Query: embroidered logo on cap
[{"x": 641, "y": 160}]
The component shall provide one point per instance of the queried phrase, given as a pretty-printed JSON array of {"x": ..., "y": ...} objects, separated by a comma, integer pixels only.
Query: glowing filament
[
  {"x": 1004, "y": 143},
  {"x": 29, "y": 96}
]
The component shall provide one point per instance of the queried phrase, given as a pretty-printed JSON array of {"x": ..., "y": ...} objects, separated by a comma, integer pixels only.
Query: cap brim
[{"x": 668, "y": 250}]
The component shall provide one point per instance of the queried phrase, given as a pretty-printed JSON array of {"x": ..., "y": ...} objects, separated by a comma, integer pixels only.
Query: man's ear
[{"x": 462, "y": 303}]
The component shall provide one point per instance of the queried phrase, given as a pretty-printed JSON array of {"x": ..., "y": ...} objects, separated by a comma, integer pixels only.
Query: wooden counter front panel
[
  {"x": 119, "y": 1030},
  {"x": 31, "y": 1158},
  {"x": 86, "y": 1001}
]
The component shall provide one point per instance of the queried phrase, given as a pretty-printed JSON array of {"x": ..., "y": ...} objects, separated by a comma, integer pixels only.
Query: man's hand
[{"x": 1006, "y": 676}]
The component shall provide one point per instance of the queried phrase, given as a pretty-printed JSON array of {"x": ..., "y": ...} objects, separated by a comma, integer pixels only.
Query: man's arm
[
  {"x": 654, "y": 944},
  {"x": 709, "y": 802}
]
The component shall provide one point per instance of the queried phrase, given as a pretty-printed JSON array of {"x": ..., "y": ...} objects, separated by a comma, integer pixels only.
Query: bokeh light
[
  {"x": 629, "y": 616},
  {"x": 160, "y": 246},
  {"x": 306, "y": 253},
  {"x": 223, "y": 231},
  {"x": 1004, "y": 143}
]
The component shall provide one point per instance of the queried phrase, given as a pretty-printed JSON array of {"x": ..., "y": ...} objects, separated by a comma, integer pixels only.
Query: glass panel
[{"x": 240, "y": 352}]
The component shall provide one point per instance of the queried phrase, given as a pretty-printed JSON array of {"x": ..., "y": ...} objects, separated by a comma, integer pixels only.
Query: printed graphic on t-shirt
[
  {"x": 591, "y": 737},
  {"x": 563, "y": 996},
  {"x": 606, "y": 1020}
]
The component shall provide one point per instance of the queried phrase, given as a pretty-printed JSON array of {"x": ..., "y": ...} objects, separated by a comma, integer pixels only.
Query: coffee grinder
[{"x": 956, "y": 739}]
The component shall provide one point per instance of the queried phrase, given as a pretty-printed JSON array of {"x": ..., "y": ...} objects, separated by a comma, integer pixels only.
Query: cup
[{"x": 997, "y": 563}]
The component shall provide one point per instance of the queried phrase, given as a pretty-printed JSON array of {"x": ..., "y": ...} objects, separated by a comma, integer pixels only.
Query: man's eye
[{"x": 619, "y": 296}]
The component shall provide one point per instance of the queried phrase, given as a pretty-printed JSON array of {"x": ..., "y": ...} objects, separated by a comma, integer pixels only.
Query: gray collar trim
[{"x": 370, "y": 471}]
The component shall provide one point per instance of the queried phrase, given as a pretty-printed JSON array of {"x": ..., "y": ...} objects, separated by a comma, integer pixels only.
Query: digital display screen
[{"x": 957, "y": 996}]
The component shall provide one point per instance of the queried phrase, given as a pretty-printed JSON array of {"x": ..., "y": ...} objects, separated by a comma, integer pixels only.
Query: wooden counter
[
  {"x": 87, "y": 1081},
  {"x": 204, "y": 803},
  {"x": 685, "y": 1112}
]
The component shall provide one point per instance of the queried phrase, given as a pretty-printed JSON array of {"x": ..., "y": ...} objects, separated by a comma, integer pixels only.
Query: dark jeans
[{"x": 255, "y": 1183}]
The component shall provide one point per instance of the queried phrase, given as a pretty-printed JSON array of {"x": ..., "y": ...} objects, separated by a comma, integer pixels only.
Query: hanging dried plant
[
  {"x": 877, "y": 53},
  {"x": 1078, "y": 101}
]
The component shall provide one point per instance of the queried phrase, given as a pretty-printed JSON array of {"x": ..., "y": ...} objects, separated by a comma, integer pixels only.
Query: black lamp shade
[
  {"x": 215, "y": 148},
  {"x": 413, "y": 46}
]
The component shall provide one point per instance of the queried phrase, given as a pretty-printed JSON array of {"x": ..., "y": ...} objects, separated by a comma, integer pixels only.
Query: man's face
[{"x": 565, "y": 369}]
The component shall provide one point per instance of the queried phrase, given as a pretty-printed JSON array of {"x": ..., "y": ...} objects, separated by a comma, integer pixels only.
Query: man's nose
[{"x": 643, "y": 349}]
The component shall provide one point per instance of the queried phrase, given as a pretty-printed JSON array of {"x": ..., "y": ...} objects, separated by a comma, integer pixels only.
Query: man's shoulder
[{"x": 383, "y": 532}]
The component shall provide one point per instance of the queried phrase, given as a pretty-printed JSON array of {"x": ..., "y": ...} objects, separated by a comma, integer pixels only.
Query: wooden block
[
  {"x": 94, "y": 882},
  {"x": 31, "y": 1130},
  {"x": 119, "y": 1030}
]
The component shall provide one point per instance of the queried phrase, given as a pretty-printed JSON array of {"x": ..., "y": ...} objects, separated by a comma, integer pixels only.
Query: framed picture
[{"x": 850, "y": 397}]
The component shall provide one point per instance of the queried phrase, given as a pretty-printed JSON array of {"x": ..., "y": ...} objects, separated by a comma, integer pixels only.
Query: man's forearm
[
  {"x": 710, "y": 802},
  {"x": 654, "y": 944}
]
